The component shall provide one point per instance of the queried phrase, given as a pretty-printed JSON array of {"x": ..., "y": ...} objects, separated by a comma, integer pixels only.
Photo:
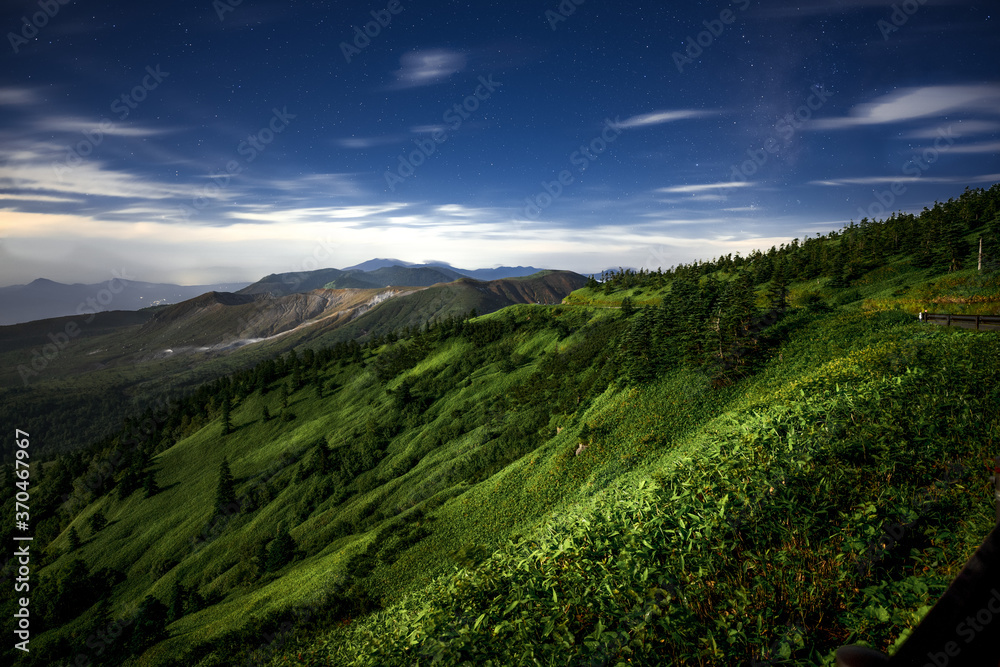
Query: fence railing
[
  {"x": 961, "y": 629},
  {"x": 977, "y": 322}
]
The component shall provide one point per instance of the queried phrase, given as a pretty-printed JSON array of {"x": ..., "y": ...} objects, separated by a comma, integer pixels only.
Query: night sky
[{"x": 201, "y": 141}]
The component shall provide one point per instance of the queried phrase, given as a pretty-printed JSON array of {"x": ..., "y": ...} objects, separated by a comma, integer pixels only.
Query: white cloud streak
[
  {"x": 661, "y": 117},
  {"x": 915, "y": 103},
  {"x": 425, "y": 68},
  {"x": 706, "y": 187}
]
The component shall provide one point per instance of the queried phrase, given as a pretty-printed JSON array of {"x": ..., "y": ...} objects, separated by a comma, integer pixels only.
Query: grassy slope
[
  {"x": 750, "y": 523},
  {"x": 841, "y": 382}
]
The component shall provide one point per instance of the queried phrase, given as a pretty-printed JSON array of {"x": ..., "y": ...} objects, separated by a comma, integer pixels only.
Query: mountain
[
  {"x": 478, "y": 274},
  {"x": 43, "y": 299},
  {"x": 283, "y": 284},
  {"x": 375, "y": 264},
  {"x": 399, "y": 276},
  {"x": 120, "y": 361},
  {"x": 500, "y": 272}
]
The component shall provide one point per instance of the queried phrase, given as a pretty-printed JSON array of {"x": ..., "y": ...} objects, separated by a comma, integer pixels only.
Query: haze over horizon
[{"x": 211, "y": 142}]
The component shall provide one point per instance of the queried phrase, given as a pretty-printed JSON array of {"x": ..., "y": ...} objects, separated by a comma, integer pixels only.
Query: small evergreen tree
[
  {"x": 225, "y": 490},
  {"x": 176, "y": 601},
  {"x": 281, "y": 551},
  {"x": 128, "y": 484},
  {"x": 97, "y": 521},
  {"x": 149, "y": 626},
  {"x": 258, "y": 562},
  {"x": 73, "y": 539},
  {"x": 265, "y": 414},
  {"x": 777, "y": 291},
  {"x": 149, "y": 485},
  {"x": 227, "y": 424}
]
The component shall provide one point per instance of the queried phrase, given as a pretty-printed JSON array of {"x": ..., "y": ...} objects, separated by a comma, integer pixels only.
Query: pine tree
[
  {"x": 258, "y": 562},
  {"x": 97, "y": 521},
  {"x": 149, "y": 485},
  {"x": 149, "y": 626},
  {"x": 265, "y": 414},
  {"x": 281, "y": 551},
  {"x": 176, "y": 601},
  {"x": 225, "y": 491},
  {"x": 777, "y": 291},
  {"x": 73, "y": 540},
  {"x": 227, "y": 425},
  {"x": 128, "y": 484},
  {"x": 637, "y": 346}
]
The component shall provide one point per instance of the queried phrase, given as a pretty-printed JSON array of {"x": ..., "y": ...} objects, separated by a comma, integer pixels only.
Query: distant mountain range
[
  {"x": 478, "y": 274},
  {"x": 44, "y": 299},
  {"x": 377, "y": 273}
]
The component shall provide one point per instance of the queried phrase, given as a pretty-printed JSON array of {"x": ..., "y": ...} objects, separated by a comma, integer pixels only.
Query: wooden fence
[{"x": 977, "y": 322}]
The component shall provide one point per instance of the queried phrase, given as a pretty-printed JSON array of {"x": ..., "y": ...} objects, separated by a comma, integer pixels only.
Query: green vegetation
[{"x": 750, "y": 459}]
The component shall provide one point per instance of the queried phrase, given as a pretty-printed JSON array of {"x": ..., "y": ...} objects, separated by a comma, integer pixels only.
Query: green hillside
[
  {"x": 744, "y": 459},
  {"x": 121, "y": 364}
]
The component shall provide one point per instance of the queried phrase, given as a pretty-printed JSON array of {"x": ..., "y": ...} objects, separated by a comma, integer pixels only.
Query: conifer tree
[
  {"x": 73, "y": 540},
  {"x": 149, "y": 485},
  {"x": 176, "y": 601},
  {"x": 97, "y": 521},
  {"x": 149, "y": 626},
  {"x": 777, "y": 291},
  {"x": 227, "y": 425},
  {"x": 281, "y": 551},
  {"x": 225, "y": 491}
]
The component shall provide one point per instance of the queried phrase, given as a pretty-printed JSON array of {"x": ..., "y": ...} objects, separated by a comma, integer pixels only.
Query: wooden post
[
  {"x": 949, "y": 319},
  {"x": 980, "y": 254},
  {"x": 977, "y": 322}
]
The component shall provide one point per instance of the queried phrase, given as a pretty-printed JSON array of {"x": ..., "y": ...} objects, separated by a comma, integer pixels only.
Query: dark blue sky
[{"x": 196, "y": 142}]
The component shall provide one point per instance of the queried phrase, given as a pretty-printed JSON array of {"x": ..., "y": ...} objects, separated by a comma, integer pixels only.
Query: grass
[{"x": 699, "y": 525}]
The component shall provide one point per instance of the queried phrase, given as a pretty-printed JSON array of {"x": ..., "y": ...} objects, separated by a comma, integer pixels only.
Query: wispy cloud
[
  {"x": 71, "y": 125},
  {"x": 706, "y": 187},
  {"x": 914, "y": 103},
  {"x": 661, "y": 117},
  {"x": 424, "y": 68},
  {"x": 41, "y": 167},
  {"x": 362, "y": 143},
  {"x": 882, "y": 180},
  {"x": 990, "y": 147},
  {"x": 285, "y": 216},
  {"x": 15, "y": 96},
  {"x": 40, "y": 198},
  {"x": 962, "y": 128}
]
